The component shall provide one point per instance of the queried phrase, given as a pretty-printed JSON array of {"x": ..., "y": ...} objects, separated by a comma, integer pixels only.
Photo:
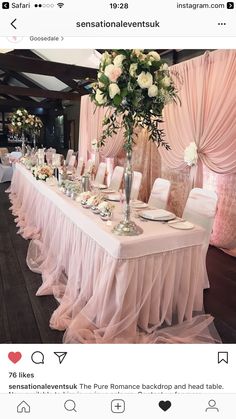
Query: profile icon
[{"x": 212, "y": 406}]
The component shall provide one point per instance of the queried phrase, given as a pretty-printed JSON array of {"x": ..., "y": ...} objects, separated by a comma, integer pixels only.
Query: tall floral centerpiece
[
  {"x": 22, "y": 122},
  {"x": 35, "y": 125},
  {"x": 137, "y": 85},
  {"x": 19, "y": 125}
]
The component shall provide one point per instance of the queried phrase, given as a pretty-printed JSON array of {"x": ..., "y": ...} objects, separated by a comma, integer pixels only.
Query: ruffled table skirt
[{"x": 103, "y": 299}]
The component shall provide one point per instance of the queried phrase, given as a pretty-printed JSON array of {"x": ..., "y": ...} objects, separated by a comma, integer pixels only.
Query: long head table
[{"x": 110, "y": 288}]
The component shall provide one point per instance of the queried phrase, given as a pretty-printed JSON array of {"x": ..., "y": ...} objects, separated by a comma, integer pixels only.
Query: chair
[
  {"x": 137, "y": 180},
  {"x": 49, "y": 153},
  {"x": 6, "y": 173},
  {"x": 80, "y": 165},
  {"x": 68, "y": 156},
  {"x": 101, "y": 173},
  {"x": 3, "y": 150},
  {"x": 89, "y": 166},
  {"x": 57, "y": 160},
  {"x": 116, "y": 178},
  {"x": 160, "y": 193},
  {"x": 200, "y": 209},
  {"x": 72, "y": 162}
]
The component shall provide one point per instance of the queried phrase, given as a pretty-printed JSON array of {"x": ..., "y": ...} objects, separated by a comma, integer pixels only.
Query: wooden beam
[
  {"x": 48, "y": 68},
  {"x": 11, "y": 104},
  {"x": 25, "y": 91},
  {"x": 74, "y": 86}
]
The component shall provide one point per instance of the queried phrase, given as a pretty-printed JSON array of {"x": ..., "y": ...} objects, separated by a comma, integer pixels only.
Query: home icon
[{"x": 23, "y": 407}]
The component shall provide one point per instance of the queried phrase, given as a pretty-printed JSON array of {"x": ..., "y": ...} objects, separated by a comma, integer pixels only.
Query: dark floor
[{"x": 24, "y": 318}]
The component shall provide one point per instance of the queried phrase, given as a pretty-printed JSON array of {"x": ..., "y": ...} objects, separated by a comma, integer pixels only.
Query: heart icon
[
  {"x": 165, "y": 405},
  {"x": 14, "y": 357}
]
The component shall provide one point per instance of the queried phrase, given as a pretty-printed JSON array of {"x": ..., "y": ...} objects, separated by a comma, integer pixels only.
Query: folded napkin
[{"x": 157, "y": 213}]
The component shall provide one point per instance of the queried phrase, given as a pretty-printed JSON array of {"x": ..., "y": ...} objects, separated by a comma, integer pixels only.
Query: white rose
[
  {"x": 19, "y": 124},
  {"x": 113, "y": 90},
  {"x": 166, "y": 81},
  {"x": 145, "y": 80},
  {"x": 152, "y": 91},
  {"x": 99, "y": 97},
  {"x": 118, "y": 60},
  {"x": 137, "y": 52},
  {"x": 106, "y": 58},
  {"x": 164, "y": 67},
  {"x": 133, "y": 69},
  {"x": 113, "y": 72},
  {"x": 154, "y": 55}
]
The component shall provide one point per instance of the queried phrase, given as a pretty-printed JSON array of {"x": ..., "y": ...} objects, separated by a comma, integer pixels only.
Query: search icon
[
  {"x": 37, "y": 357},
  {"x": 70, "y": 405}
]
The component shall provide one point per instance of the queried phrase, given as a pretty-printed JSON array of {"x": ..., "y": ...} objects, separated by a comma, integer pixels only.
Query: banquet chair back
[
  {"x": 160, "y": 193},
  {"x": 3, "y": 150},
  {"x": 201, "y": 208},
  {"x": 5, "y": 160},
  {"x": 49, "y": 153},
  {"x": 89, "y": 166},
  {"x": 68, "y": 156},
  {"x": 57, "y": 159},
  {"x": 137, "y": 180},
  {"x": 116, "y": 178},
  {"x": 101, "y": 173},
  {"x": 80, "y": 165},
  {"x": 72, "y": 162}
]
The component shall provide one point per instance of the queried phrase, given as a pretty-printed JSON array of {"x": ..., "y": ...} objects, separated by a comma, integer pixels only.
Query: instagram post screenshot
[{"x": 117, "y": 209}]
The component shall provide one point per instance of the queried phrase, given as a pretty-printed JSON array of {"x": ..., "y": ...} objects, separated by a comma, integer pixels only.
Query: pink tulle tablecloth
[{"x": 111, "y": 289}]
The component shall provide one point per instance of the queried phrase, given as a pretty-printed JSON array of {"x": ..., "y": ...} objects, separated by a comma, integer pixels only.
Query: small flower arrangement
[
  {"x": 84, "y": 197},
  {"x": 95, "y": 200},
  {"x": 42, "y": 172},
  {"x": 106, "y": 207},
  {"x": 28, "y": 162},
  {"x": 191, "y": 154}
]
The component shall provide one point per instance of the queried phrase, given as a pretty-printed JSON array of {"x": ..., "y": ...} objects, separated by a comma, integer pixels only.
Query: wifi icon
[{"x": 60, "y": 5}]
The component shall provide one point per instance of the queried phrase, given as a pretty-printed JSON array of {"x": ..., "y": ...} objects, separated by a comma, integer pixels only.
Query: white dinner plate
[
  {"x": 101, "y": 186},
  {"x": 113, "y": 197},
  {"x": 137, "y": 205},
  {"x": 181, "y": 225},
  {"x": 158, "y": 215}
]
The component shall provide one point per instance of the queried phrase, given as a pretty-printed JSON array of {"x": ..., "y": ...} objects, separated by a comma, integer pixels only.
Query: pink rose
[{"x": 113, "y": 72}]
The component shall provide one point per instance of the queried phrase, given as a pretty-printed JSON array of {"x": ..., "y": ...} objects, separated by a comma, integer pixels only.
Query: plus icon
[{"x": 118, "y": 406}]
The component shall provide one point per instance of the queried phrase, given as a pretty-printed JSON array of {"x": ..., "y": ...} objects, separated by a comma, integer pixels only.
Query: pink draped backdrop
[{"x": 207, "y": 116}]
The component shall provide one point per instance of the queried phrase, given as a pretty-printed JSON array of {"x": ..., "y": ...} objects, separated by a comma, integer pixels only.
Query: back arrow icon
[{"x": 12, "y": 23}]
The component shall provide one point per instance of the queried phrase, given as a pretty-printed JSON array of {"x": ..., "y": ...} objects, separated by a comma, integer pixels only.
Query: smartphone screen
[{"x": 117, "y": 209}]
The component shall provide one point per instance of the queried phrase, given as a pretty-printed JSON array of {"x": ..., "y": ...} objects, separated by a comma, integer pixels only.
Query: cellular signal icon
[{"x": 60, "y": 5}]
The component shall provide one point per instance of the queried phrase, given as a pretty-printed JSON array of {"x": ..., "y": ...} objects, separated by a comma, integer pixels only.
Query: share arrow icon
[{"x": 61, "y": 356}]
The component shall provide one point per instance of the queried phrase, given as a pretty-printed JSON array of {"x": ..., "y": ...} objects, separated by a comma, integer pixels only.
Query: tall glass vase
[
  {"x": 34, "y": 140},
  {"x": 23, "y": 144},
  {"x": 126, "y": 227}
]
